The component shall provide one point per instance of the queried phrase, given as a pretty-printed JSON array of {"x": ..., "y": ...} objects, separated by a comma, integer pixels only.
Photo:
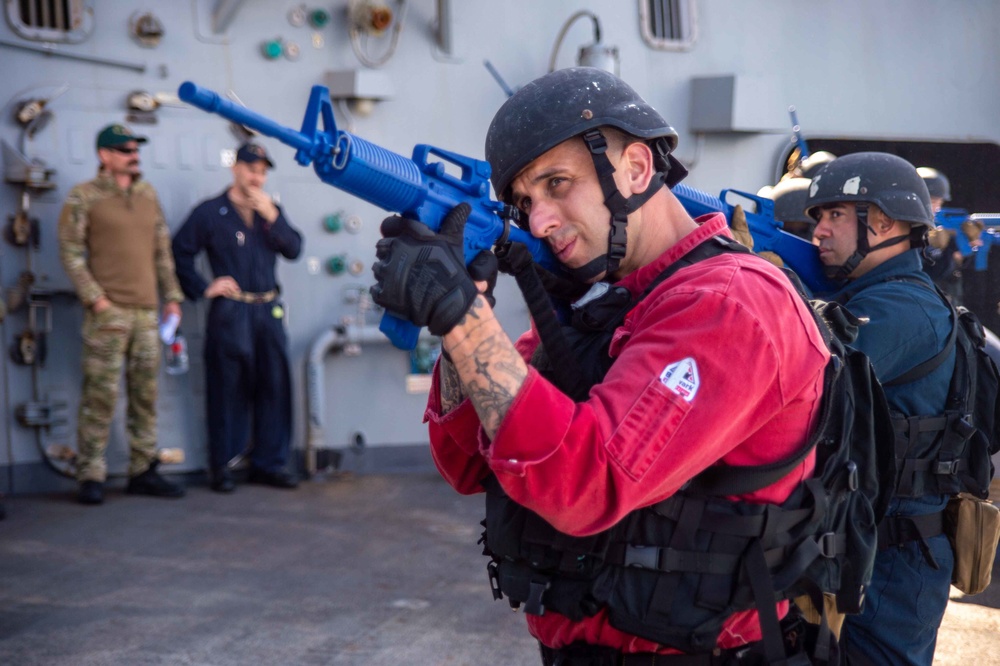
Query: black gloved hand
[
  {"x": 420, "y": 275},
  {"x": 484, "y": 268}
]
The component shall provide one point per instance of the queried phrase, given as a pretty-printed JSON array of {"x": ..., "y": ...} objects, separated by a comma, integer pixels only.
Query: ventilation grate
[
  {"x": 50, "y": 20},
  {"x": 45, "y": 14},
  {"x": 668, "y": 25}
]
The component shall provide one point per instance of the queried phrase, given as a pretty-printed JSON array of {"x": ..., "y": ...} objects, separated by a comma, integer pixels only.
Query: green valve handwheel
[
  {"x": 333, "y": 223},
  {"x": 271, "y": 49},
  {"x": 319, "y": 18},
  {"x": 336, "y": 265}
]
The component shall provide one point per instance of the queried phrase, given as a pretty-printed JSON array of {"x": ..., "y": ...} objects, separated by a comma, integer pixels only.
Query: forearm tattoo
[
  {"x": 490, "y": 368},
  {"x": 450, "y": 386},
  {"x": 493, "y": 387}
]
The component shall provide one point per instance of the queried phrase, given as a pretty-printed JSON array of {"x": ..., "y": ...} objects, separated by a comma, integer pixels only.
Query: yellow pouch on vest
[
  {"x": 973, "y": 527},
  {"x": 834, "y": 618}
]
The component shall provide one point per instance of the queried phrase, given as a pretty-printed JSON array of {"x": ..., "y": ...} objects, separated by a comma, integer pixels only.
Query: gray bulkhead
[{"x": 912, "y": 70}]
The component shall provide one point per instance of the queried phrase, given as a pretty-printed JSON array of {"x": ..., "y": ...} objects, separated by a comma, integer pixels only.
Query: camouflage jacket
[{"x": 115, "y": 243}]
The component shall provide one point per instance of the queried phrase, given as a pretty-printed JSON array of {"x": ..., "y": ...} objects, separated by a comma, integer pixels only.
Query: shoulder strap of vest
[
  {"x": 931, "y": 364},
  {"x": 730, "y": 480},
  {"x": 721, "y": 480},
  {"x": 713, "y": 247},
  {"x": 609, "y": 315},
  {"x": 570, "y": 376}
]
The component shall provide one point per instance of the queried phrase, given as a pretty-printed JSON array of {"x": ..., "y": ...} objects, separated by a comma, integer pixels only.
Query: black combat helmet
[
  {"x": 560, "y": 105},
  {"x": 888, "y": 181},
  {"x": 879, "y": 179},
  {"x": 575, "y": 102},
  {"x": 937, "y": 183}
]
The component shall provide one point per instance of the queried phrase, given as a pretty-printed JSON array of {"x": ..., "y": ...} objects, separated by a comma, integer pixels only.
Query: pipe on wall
[{"x": 332, "y": 341}]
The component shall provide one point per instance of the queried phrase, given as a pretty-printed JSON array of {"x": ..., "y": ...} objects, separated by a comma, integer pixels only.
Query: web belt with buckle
[{"x": 255, "y": 298}]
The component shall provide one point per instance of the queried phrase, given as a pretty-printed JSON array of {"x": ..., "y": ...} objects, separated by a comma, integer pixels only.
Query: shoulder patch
[{"x": 682, "y": 378}]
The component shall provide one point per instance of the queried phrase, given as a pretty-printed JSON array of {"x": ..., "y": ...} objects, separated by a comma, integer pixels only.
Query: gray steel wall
[{"x": 915, "y": 69}]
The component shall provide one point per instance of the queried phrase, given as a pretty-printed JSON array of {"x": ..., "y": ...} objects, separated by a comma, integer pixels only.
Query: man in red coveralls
[{"x": 692, "y": 354}]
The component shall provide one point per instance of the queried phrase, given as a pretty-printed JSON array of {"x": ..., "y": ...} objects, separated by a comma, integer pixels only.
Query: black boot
[
  {"x": 90, "y": 492},
  {"x": 278, "y": 478},
  {"x": 151, "y": 483},
  {"x": 222, "y": 481}
]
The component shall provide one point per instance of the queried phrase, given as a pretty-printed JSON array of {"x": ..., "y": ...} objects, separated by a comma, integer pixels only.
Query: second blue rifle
[
  {"x": 801, "y": 256},
  {"x": 954, "y": 218}
]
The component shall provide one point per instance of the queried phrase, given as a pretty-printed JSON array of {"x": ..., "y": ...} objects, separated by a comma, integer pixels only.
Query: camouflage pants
[{"x": 112, "y": 339}]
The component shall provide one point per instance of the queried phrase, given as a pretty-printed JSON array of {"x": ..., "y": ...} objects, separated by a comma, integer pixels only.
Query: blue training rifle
[
  {"x": 953, "y": 219},
  {"x": 801, "y": 256},
  {"x": 416, "y": 188},
  {"x": 423, "y": 191}
]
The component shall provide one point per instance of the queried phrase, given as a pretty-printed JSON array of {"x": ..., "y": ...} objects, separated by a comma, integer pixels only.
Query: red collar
[{"x": 710, "y": 225}]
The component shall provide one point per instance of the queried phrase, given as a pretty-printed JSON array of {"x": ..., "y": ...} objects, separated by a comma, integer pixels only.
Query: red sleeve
[
  {"x": 711, "y": 367},
  {"x": 456, "y": 437}
]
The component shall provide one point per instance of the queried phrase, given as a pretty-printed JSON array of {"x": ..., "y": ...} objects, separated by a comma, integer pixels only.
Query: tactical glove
[
  {"x": 938, "y": 237},
  {"x": 738, "y": 227},
  {"x": 420, "y": 275},
  {"x": 484, "y": 268},
  {"x": 973, "y": 230},
  {"x": 741, "y": 232}
]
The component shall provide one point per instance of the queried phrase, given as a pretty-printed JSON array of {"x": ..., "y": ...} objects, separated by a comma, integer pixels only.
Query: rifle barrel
[{"x": 208, "y": 100}]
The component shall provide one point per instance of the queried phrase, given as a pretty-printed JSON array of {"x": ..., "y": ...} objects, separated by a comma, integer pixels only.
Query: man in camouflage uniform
[{"x": 115, "y": 246}]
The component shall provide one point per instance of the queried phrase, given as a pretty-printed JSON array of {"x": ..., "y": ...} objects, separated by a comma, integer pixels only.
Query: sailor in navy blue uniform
[
  {"x": 873, "y": 211},
  {"x": 247, "y": 375}
]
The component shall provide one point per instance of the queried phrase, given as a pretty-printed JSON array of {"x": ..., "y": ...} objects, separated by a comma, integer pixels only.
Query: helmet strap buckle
[
  {"x": 617, "y": 241},
  {"x": 596, "y": 143}
]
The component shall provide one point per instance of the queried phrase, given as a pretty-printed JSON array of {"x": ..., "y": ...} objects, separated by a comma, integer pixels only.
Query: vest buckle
[
  {"x": 827, "y": 544},
  {"x": 644, "y": 557},
  {"x": 948, "y": 467},
  {"x": 536, "y": 588}
]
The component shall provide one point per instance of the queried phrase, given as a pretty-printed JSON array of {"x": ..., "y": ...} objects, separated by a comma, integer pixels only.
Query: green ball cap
[{"x": 116, "y": 135}]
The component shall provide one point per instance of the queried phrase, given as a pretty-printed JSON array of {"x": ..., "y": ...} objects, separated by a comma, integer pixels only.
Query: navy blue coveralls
[
  {"x": 909, "y": 324},
  {"x": 246, "y": 349}
]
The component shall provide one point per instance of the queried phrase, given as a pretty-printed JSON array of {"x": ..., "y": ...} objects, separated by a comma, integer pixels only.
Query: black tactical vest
[
  {"x": 949, "y": 453},
  {"x": 675, "y": 571}
]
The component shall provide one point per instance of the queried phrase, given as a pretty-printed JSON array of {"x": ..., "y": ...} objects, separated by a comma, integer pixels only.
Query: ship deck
[{"x": 347, "y": 570}]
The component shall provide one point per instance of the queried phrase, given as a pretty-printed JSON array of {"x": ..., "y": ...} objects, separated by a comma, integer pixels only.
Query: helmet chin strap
[
  {"x": 619, "y": 206},
  {"x": 863, "y": 249}
]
